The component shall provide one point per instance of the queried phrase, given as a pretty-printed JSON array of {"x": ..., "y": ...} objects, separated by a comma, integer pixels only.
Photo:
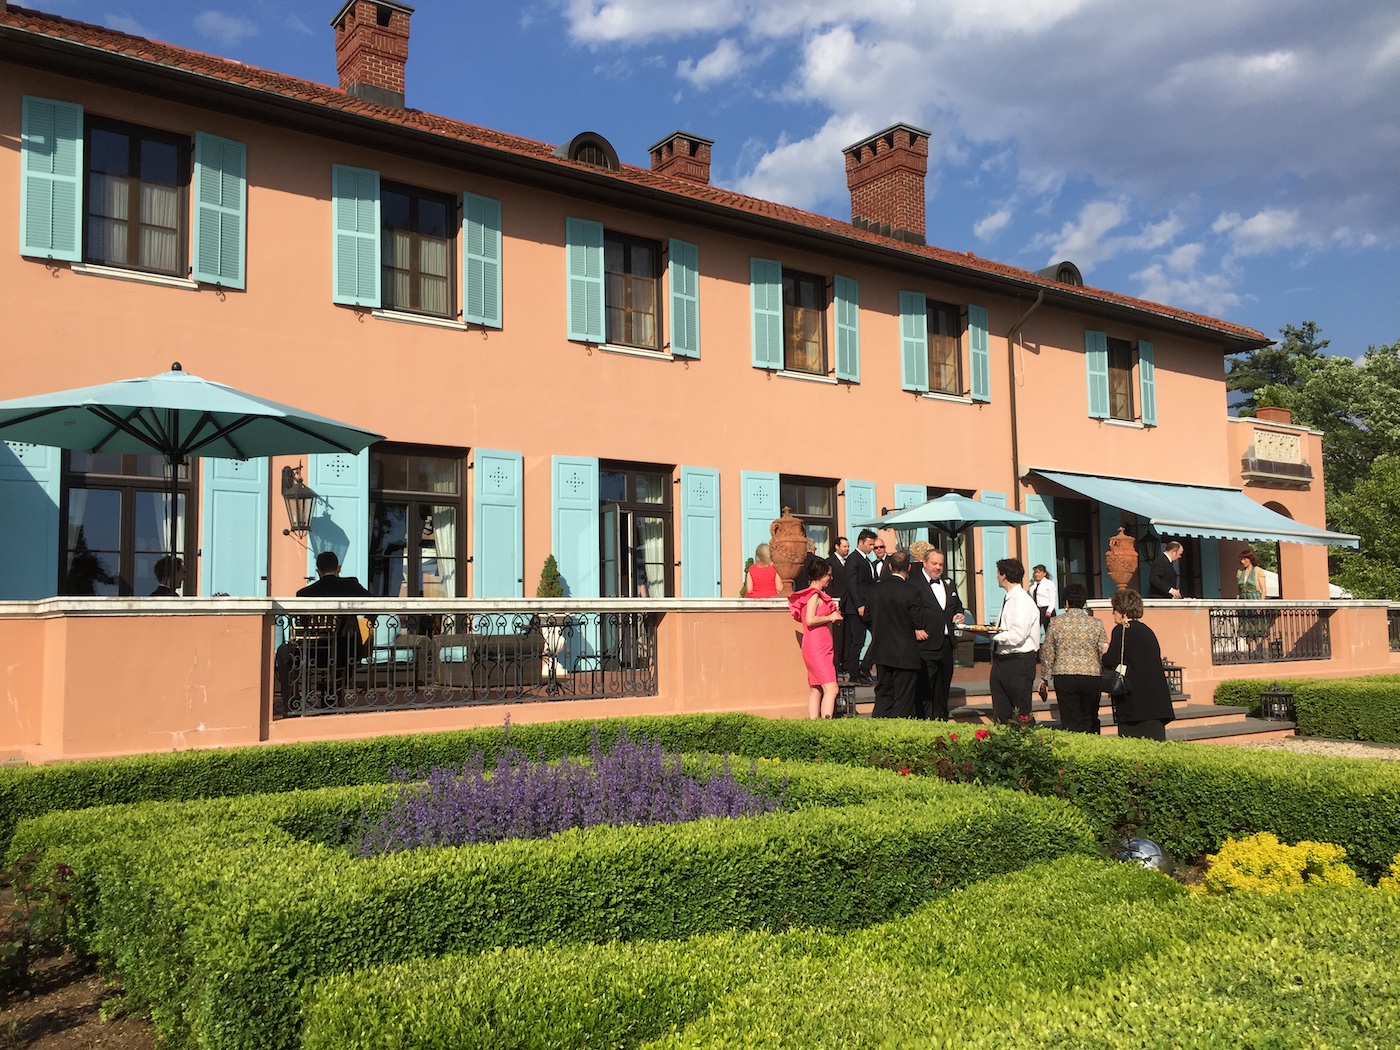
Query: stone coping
[
  {"x": 47, "y": 608},
  {"x": 1254, "y": 603}
]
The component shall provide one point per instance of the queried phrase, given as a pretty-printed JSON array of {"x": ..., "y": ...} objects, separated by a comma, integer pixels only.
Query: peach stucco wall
[{"x": 527, "y": 388}]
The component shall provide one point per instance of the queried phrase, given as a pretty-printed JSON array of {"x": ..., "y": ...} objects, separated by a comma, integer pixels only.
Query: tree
[
  {"x": 1277, "y": 365},
  {"x": 1370, "y": 510}
]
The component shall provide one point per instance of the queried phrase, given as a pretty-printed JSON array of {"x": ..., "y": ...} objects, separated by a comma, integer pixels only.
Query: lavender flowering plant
[{"x": 633, "y": 782}]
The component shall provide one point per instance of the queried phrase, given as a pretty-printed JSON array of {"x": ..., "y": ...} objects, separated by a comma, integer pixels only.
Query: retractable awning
[{"x": 1195, "y": 510}]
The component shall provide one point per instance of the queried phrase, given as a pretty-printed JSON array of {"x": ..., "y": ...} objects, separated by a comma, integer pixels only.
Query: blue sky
[{"x": 1236, "y": 157}]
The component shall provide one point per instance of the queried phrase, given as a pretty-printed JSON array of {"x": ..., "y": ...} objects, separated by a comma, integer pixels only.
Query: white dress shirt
[
  {"x": 1018, "y": 627},
  {"x": 1045, "y": 594}
]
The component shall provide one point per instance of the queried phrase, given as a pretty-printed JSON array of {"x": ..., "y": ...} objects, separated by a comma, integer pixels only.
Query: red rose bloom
[
  {"x": 982, "y": 734},
  {"x": 952, "y": 736}
]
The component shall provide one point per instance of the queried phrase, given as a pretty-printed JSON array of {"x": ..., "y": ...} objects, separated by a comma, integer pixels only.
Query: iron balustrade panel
[
  {"x": 338, "y": 663},
  {"x": 1264, "y": 634},
  {"x": 1392, "y": 617}
]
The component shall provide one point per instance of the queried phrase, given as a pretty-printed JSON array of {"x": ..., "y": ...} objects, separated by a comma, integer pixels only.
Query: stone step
[{"x": 1233, "y": 733}]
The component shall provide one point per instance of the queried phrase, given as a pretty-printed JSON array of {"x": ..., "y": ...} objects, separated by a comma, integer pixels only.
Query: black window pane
[
  {"x": 432, "y": 218},
  {"x": 393, "y": 210},
  {"x": 612, "y": 486},
  {"x": 434, "y": 474},
  {"x": 160, "y": 162},
  {"x": 109, "y": 152}
]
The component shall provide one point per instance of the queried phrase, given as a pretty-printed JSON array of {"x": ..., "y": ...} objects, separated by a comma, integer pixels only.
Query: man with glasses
[
  {"x": 860, "y": 578},
  {"x": 878, "y": 565}
]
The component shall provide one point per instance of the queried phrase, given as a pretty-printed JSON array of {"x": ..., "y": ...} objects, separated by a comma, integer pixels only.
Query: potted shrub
[{"x": 551, "y": 627}]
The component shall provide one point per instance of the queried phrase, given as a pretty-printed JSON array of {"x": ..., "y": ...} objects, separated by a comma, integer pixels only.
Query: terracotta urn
[
  {"x": 1121, "y": 559},
  {"x": 788, "y": 547}
]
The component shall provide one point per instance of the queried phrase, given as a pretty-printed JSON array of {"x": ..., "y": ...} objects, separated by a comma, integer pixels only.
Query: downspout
[{"x": 1015, "y": 439}]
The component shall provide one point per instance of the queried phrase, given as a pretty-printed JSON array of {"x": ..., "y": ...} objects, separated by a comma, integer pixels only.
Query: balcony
[{"x": 1275, "y": 473}]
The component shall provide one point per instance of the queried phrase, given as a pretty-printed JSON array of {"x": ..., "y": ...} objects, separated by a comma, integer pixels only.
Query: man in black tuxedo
[
  {"x": 1164, "y": 581},
  {"x": 896, "y": 614},
  {"x": 941, "y": 604},
  {"x": 840, "y": 552},
  {"x": 860, "y": 580},
  {"x": 322, "y": 646}
]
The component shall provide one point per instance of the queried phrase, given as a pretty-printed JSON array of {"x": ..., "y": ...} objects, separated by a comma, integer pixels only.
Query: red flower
[
  {"x": 982, "y": 734},
  {"x": 904, "y": 772},
  {"x": 952, "y": 736},
  {"x": 1024, "y": 718}
]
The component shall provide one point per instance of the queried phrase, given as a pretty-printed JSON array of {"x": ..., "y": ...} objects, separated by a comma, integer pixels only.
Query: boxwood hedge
[
  {"x": 218, "y": 918},
  {"x": 1365, "y": 708},
  {"x": 1147, "y": 964}
]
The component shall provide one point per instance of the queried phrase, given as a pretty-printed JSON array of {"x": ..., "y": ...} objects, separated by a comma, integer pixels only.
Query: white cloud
[
  {"x": 1266, "y": 231},
  {"x": 124, "y": 24},
  {"x": 801, "y": 172},
  {"x": 989, "y": 226},
  {"x": 725, "y": 61},
  {"x": 1209, "y": 293},
  {"x": 226, "y": 30}
]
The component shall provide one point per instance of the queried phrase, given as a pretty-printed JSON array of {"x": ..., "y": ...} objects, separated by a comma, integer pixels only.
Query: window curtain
[
  {"x": 159, "y": 227},
  {"x": 445, "y": 546},
  {"x": 651, "y": 542},
  {"x": 432, "y": 264}
]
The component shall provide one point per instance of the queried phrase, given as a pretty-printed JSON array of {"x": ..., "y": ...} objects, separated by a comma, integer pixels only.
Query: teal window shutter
[
  {"x": 683, "y": 267},
  {"x": 913, "y": 340},
  {"x": 576, "y": 525},
  {"x": 51, "y": 178},
  {"x": 498, "y": 525},
  {"x": 1147, "y": 382},
  {"x": 994, "y": 548},
  {"x": 1110, "y": 518},
  {"x": 234, "y": 523},
  {"x": 583, "y": 241},
  {"x": 355, "y": 261},
  {"x": 860, "y": 506},
  {"x": 759, "y": 504},
  {"x": 847, "y": 295},
  {"x": 1096, "y": 366},
  {"x": 910, "y": 496},
  {"x": 1210, "y": 568},
  {"x": 979, "y": 354},
  {"x": 1040, "y": 537},
  {"x": 481, "y": 274},
  {"x": 766, "y": 299},
  {"x": 29, "y": 490},
  {"x": 340, "y": 518},
  {"x": 700, "y": 560},
  {"x": 220, "y": 204}
]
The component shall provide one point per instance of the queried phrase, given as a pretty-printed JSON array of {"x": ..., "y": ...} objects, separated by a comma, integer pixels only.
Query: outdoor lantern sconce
[{"x": 299, "y": 499}]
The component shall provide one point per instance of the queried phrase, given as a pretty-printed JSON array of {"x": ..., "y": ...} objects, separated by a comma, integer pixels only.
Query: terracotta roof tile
[{"x": 289, "y": 87}]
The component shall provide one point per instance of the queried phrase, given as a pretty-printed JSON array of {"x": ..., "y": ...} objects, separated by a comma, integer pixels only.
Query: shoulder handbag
[{"x": 1115, "y": 679}]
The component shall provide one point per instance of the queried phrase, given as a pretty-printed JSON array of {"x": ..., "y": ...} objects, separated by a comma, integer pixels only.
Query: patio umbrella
[
  {"x": 177, "y": 416},
  {"x": 950, "y": 513}
]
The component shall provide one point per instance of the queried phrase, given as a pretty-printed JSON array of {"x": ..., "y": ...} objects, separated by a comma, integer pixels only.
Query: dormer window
[{"x": 592, "y": 149}]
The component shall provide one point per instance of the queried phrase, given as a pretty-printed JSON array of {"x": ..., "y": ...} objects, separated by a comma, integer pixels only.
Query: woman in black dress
[{"x": 1147, "y": 709}]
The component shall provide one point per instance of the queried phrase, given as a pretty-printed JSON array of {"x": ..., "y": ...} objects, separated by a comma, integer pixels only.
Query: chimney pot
[
  {"x": 885, "y": 174},
  {"x": 371, "y": 49},
  {"x": 683, "y": 155}
]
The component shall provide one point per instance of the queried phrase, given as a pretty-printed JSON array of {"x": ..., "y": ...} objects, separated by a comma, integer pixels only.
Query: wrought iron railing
[
  {"x": 1392, "y": 617},
  {"x": 327, "y": 663},
  {"x": 1266, "y": 633}
]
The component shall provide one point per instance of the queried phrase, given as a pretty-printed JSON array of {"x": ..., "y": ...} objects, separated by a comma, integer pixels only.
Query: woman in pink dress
[{"x": 814, "y": 609}]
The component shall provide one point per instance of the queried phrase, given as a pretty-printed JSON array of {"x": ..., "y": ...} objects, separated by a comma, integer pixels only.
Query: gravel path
[{"x": 1336, "y": 748}]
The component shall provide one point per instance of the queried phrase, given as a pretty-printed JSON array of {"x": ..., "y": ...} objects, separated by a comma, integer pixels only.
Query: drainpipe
[{"x": 1015, "y": 440}]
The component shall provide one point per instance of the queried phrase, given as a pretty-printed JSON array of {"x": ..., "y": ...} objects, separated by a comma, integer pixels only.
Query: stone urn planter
[
  {"x": 788, "y": 547},
  {"x": 1122, "y": 559}
]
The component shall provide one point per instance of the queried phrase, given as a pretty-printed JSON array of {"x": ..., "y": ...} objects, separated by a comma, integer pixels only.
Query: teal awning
[{"x": 1196, "y": 510}]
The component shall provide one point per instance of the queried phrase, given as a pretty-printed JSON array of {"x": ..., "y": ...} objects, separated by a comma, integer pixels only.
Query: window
[
  {"x": 633, "y": 288},
  {"x": 945, "y": 349},
  {"x": 814, "y": 501},
  {"x": 416, "y": 525},
  {"x": 635, "y": 534},
  {"x": 1122, "y": 356},
  {"x": 117, "y": 526},
  {"x": 804, "y": 323},
  {"x": 418, "y": 248},
  {"x": 1075, "y": 555},
  {"x": 136, "y": 214}
]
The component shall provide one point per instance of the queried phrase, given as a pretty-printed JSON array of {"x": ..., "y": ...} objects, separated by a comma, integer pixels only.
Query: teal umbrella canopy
[
  {"x": 176, "y": 415},
  {"x": 950, "y": 513}
]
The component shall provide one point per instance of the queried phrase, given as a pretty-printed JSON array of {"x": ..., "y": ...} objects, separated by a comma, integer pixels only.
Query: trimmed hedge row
[
  {"x": 1365, "y": 708},
  {"x": 1191, "y": 798},
  {"x": 217, "y": 919},
  {"x": 988, "y": 966}
]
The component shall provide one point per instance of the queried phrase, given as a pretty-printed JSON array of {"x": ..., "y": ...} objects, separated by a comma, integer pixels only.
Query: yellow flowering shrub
[
  {"x": 1265, "y": 865},
  {"x": 1392, "y": 881}
]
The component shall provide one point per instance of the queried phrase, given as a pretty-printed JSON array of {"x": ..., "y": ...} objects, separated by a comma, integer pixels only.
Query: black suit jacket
[
  {"x": 1162, "y": 578},
  {"x": 895, "y": 611},
  {"x": 837, "y": 587},
  {"x": 938, "y": 621},
  {"x": 334, "y": 587},
  {"x": 860, "y": 578}
]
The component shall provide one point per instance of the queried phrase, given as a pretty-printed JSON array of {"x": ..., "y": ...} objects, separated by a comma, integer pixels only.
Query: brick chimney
[
  {"x": 371, "y": 49},
  {"x": 886, "y": 174},
  {"x": 683, "y": 155}
]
